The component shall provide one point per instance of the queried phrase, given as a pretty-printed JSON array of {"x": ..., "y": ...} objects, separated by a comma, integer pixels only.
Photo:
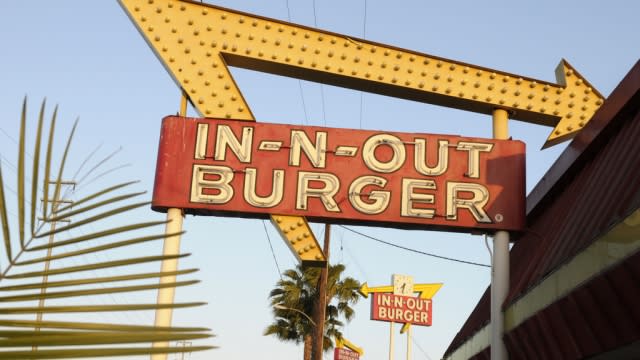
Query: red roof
[{"x": 593, "y": 185}]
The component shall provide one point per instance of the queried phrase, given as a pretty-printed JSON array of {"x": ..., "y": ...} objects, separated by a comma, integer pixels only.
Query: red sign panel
[
  {"x": 345, "y": 354},
  {"x": 401, "y": 309},
  {"x": 249, "y": 169}
]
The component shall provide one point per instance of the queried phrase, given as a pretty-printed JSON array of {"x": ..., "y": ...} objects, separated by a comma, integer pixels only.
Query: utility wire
[
  {"x": 364, "y": 36},
  {"x": 304, "y": 106},
  {"x": 14, "y": 141},
  {"x": 288, "y": 11},
  {"x": 315, "y": 24},
  {"x": 264, "y": 224},
  {"x": 414, "y": 250},
  {"x": 354, "y": 259},
  {"x": 413, "y": 339}
]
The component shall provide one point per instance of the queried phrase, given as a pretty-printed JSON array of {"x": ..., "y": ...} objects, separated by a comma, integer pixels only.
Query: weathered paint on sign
[{"x": 406, "y": 180}]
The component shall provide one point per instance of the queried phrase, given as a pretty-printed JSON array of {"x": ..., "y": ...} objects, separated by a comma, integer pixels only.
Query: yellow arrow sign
[{"x": 196, "y": 42}]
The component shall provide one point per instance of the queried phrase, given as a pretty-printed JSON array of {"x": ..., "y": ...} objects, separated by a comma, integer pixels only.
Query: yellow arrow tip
[
  {"x": 404, "y": 328},
  {"x": 364, "y": 290},
  {"x": 577, "y": 102},
  {"x": 428, "y": 291}
]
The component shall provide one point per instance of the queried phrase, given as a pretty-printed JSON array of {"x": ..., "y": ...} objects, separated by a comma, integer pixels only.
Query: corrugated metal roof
[
  {"x": 592, "y": 186},
  {"x": 594, "y": 319}
]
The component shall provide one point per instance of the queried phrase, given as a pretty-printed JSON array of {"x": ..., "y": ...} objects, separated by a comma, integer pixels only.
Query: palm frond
[
  {"x": 36, "y": 166},
  {"x": 97, "y": 235},
  {"x": 5, "y": 222},
  {"x": 37, "y": 267},
  {"x": 99, "y": 352},
  {"x": 94, "y": 308},
  {"x": 91, "y": 281}
]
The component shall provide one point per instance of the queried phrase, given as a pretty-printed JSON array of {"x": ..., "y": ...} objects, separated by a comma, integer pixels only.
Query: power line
[
  {"x": 357, "y": 263},
  {"x": 14, "y": 141},
  {"x": 271, "y": 247},
  {"x": 414, "y": 250},
  {"x": 413, "y": 339},
  {"x": 288, "y": 11},
  {"x": 364, "y": 36},
  {"x": 364, "y": 22},
  {"x": 315, "y": 18},
  {"x": 315, "y": 24},
  {"x": 304, "y": 106}
]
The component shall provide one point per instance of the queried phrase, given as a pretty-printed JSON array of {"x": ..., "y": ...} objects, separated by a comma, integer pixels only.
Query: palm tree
[
  {"x": 293, "y": 300},
  {"x": 38, "y": 244}
]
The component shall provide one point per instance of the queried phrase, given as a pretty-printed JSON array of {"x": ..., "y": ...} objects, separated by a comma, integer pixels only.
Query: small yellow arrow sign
[
  {"x": 365, "y": 290},
  {"x": 426, "y": 291},
  {"x": 196, "y": 42}
]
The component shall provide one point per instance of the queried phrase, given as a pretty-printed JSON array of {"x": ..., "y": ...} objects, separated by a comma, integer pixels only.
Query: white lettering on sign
[
  {"x": 315, "y": 153},
  {"x": 271, "y": 200},
  {"x": 420, "y": 162},
  {"x": 367, "y": 194},
  {"x": 330, "y": 186},
  {"x": 411, "y": 197},
  {"x": 474, "y": 150},
  {"x": 402, "y": 309},
  {"x": 377, "y": 201},
  {"x": 226, "y": 138},
  {"x": 373, "y": 163},
  {"x": 218, "y": 190},
  {"x": 201, "y": 142},
  {"x": 475, "y": 204}
]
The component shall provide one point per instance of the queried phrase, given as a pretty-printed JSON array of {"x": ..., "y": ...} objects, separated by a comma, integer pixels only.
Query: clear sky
[{"x": 87, "y": 57}]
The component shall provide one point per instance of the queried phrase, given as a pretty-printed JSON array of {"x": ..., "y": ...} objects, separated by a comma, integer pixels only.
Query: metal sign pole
[
  {"x": 321, "y": 305},
  {"x": 500, "y": 263},
  {"x": 391, "y": 340},
  {"x": 409, "y": 343},
  {"x": 171, "y": 247}
]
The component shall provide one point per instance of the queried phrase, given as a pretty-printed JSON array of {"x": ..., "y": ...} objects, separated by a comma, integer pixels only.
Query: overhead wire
[
  {"x": 353, "y": 257},
  {"x": 413, "y": 339},
  {"x": 304, "y": 107},
  {"x": 264, "y": 224},
  {"x": 315, "y": 24},
  {"x": 414, "y": 250},
  {"x": 14, "y": 141},
  {"x": 364, "y": 36}
]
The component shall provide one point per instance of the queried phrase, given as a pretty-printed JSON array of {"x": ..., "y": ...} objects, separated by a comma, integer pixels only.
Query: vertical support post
[
  {"x": 500, "y": 261},
  {"x": 171, "y": 247},
  {"x": 321, "y": 305},
  {"x": 409, "y": 343},
  {"x": 391, "y": 341}
]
